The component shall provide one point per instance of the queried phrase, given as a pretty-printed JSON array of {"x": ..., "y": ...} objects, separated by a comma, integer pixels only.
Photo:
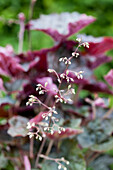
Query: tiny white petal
[
  {"x": 59, "y": 167},
  {"x": 69, "y": 86},
  {"x": 46, "y": 83},
  {"x": 40, "y": 138}
]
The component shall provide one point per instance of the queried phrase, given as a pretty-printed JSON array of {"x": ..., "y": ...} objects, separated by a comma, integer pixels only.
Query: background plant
[{"x": 18, "y": 79}]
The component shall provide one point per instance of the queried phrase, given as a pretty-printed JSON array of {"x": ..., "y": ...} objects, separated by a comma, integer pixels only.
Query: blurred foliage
[{"x": 102, "y": 10}]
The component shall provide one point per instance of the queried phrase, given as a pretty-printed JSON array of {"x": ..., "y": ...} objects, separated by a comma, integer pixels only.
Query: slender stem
[
  {"x": 93, "y": 107},
  {"x": 31, "y": 8},
  {"x": 57, "y": 160},
  {"x": 39, "y": 101},
  {"x": 31, "y": 148},
  {"x": 77, "y": 94},
  {"x": 39, "y": 152},
  {"x": 94, "y": 156},
  {"x": 21, "y": 32},
  {"x": 94, "y": 111},
  {"x": 49, "y": 147},
  {"x": 48, "y": 158},
  {"x": 108, "y": 113}
]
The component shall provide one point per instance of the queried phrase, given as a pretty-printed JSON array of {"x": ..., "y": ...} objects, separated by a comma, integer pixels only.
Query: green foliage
[
  {"x": 3, "y": 161},
  {"x": 72, "y": 153},
  {"x": 96, "y": 136},
  {"x": 104, "y": 162}
]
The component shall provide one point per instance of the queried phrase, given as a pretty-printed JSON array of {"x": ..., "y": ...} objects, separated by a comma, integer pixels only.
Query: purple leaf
[
  {"x": 109, "y": 77},
  {"x": 61, "y": 26},
  {"x": 93, "y": 62},
  {"x": 68, "y": 132},
  {"x": 37, "y": 118},
  {"x": 91, "y": 85},
  {"x": 97, "y": 87},
  {"x": 9, "y": 65},
  {"x": 100, "y": 46},
  {"x": 27, "y": 163},
  {"x": 8, "y": 50},
  {"x": 35, "y": 59}
]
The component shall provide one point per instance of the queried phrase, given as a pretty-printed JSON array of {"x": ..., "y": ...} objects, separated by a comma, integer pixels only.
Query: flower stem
[
  {"x": 39, "y": 152},
  {"x": 31, "y": 8}
]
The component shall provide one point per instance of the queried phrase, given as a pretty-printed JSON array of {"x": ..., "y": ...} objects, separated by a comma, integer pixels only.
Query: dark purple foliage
[{"x": 9, "y": 64}]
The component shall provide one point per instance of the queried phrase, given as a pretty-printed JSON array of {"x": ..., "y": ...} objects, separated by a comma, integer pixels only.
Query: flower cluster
[
  {"x": 32, "y": 100},
  {"x": 59, "y": 161},
  {"x": 49, "y": 123},
  {"x": 65, "y": 60},
  {"x": 39, "y": 131},
  {"x": 42, "y": 89}
]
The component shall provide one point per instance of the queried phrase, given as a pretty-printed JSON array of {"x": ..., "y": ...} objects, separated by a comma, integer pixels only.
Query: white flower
[
  {"x": 60, "y": 59},
  {"x": 50, "y": 114},
  {"x": 69, "y": 86},
  {"x": 69, "y": 100},
  {"x": 87, "y": 44},
  {"x": 44, "y": 135},
  {"x": 59, "y": 166},
  {"x": 45, "y": 128},
  {"x": 46, "y": 118},
  {"x": 79, "y": 39},
  {"x": 39, "y": 85},
  {"x": 33, "y": 124},
  {"x": 50, "y": 70},
  {"x": 56, "y": 96},
  {"x": 27, "y": 103},
  {"x": 59, "y": 80},
  {"x": 52, "y": 132},
  {"x": 28, "y": 126},
  {"x": 73, "y": 54},
  {"x": 59, "y": 132},
  {"x": 41, "y": 92},
  {"x": 72, "y": 79},
  {"x": 31, "y": 135},
  {"x": 77, "y": 54},
  {"x": 73, "y": 91},
  {"x": 67, "y": 162},
  {"x": 69, "y": 62},
  {"x": 40, "y": 138}
]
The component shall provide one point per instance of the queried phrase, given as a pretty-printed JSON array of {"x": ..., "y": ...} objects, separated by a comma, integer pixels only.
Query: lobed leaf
[
  {"x": 18, "y": 126},
  {"x": 68, "y": 132},
  {"x": 60, "y": 26}
]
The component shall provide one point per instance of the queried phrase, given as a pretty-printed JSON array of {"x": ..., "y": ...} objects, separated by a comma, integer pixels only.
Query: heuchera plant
[{"x": 39, "y": 98}]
